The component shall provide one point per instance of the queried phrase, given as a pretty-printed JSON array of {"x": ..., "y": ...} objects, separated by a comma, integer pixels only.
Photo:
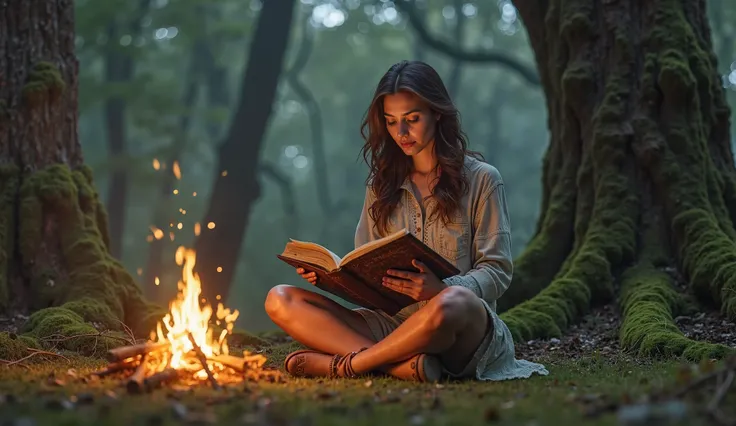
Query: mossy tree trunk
[
  {"x": 639, "y": 180},
  {"x": 54, "y": 258}
]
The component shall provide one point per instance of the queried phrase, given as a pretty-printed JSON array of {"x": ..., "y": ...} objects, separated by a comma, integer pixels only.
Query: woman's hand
[
  {"x": 422, "y": 285},
  {"x": 309, "y": 276}
]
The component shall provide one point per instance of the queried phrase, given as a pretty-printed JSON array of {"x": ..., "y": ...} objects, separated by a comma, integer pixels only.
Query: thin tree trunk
[
  {"x": 162, "y": 214},
  {"x": 639, "y": 178},
  {"x": 324, "y": 194},
  {"x": 53, "y": 227},
  {"x": 119, "y": 70},
  {"x": 236, "y": 185}
]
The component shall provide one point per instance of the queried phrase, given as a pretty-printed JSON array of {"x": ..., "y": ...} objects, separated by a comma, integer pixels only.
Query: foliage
[{"x": 504, "y": 117}]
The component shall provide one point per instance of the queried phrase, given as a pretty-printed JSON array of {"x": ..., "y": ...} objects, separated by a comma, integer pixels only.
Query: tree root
[
  {"x": 649, "y": 303},
  {"x": 709, "y": 259}
]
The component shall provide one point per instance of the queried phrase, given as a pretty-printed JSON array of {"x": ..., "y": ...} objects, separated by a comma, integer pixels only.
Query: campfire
[{"x": 185, "y": 346}]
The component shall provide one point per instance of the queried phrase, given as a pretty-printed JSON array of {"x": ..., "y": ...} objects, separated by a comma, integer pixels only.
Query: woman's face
[{"x": 409, "y": 121}]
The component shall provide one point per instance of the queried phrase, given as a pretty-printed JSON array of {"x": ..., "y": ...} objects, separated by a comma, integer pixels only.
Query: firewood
[
  {"x": 123, "y": 352},
  {"x": 135, "y": 381},
  {"x": 115, "y": 367},
  {"x": 234, "y": 362},
  {"x": 203, "y": 360},
  {"x": 155, "y": 380}
]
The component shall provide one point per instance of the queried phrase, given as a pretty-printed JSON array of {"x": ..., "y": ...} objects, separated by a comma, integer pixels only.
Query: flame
[{"x": 186, "y": 315}]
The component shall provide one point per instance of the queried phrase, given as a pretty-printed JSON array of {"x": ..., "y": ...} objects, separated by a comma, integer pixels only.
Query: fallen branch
[
  {"x": 203, "y": 360},
  {"x": 6, "y": 362},
  {"x": 123, "y": 352},
  {"x": 33, "y": 352}
]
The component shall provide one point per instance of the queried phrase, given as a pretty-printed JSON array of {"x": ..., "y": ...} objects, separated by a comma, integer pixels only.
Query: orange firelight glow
[{"x": 186, "y": 315}]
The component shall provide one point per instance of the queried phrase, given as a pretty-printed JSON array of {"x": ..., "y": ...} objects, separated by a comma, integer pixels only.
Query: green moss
[
  {"x": 675, "y": 77},
  {"x": 708, "y": 257},
  {"x": 31, "y": 223},
  {"x": 44, "y": 82},
  {"x": 91, "y": 283},
  {"x": 578, "y": 83},
  {"x": 11, "y": 347},
  {"x": 63, "y": 328},
  {"x": 648, "y": 303},
  {"x": 609, "y": 237}
]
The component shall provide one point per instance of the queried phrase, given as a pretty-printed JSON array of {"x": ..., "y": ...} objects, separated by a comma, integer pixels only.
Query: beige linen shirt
[{"x": 477, "y": 240}]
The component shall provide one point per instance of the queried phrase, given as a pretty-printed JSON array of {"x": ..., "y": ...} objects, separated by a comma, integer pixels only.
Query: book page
[
  {"x": 312, "y": 253},
  {"x": 367, "y": 247}
]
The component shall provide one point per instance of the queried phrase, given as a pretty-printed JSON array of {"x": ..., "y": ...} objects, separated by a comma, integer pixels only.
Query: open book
[{"x": 357, "y": 276}]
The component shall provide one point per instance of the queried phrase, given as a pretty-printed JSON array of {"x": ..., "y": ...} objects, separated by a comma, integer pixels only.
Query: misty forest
[{"x": 148, "y": 142}]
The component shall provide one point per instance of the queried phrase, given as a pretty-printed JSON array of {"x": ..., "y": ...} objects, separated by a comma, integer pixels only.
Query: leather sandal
[
  {"x": 342, "y": 366},
  {"x": 420, "y": 367},
  {"x": 308, "y": 363},
  {"x": 311, "y": 363}
]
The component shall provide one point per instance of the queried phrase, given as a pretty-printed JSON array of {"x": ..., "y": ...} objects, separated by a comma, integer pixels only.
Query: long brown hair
[{"x": 389, "y": 166}]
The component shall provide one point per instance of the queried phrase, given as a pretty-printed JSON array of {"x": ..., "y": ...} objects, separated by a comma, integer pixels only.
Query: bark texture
[
  {"x": 639, "y": 179},
  {"x": 54, "y": 257},
  {"x": 236, "y": 186}
]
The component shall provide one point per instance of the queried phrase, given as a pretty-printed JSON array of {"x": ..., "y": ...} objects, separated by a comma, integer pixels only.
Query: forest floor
[{"x": 590, "y": 382}]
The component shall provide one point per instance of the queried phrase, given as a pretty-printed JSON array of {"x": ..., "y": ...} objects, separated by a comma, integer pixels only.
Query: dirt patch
[
  {"x": 598, "y": 331},
  {"x": 708, "y": 326}
]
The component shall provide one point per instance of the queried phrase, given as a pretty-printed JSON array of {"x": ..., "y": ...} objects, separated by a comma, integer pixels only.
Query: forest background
[{"x": 160, "y": 81}]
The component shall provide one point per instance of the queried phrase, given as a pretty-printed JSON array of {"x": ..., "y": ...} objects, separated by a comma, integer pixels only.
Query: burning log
[
  {"x": 135, "y": 381},
  {"x": 234, "y": 362},
  {"x": 115, "y": 367},
  {"x": 123, "y": 352},
  {"x": 157, "y": 379},
  {"x": 203, "y": 360}
]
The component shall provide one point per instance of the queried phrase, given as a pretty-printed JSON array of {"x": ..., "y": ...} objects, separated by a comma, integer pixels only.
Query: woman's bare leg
[
  {"x": 451, "y": 325},
  {"x": 316, "y": 321}
]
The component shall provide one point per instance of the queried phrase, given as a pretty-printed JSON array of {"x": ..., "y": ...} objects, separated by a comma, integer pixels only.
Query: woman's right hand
[{"x": 307, "y": 275}]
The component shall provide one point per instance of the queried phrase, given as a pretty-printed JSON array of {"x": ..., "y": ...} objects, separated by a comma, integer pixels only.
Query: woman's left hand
[{"x": 422, "y": 285}]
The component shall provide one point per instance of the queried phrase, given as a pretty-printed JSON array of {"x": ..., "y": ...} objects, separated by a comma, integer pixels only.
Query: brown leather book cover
[{"x": 359, "y": 280}]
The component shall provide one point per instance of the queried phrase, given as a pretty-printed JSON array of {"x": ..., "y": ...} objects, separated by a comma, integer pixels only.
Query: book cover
[{"x": 359, "y": 280}]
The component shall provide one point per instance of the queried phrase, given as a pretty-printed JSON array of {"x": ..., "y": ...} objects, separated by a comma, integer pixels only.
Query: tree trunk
[
  {"x": 162, "y": 212},
  {"x": 53, "y": 228},
  {"x": 236, "y": 185},
  {"x": 639, "y": 180}
]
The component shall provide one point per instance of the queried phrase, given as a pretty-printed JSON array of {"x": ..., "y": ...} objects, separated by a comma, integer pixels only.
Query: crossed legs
[{"x": 451, "y": 326}]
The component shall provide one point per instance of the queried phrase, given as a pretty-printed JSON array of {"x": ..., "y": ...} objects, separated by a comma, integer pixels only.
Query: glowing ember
[{"x": 186, "y": 315}]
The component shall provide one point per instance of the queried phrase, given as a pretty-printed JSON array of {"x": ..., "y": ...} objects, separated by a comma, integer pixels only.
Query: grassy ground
[{"x": 45, "y": 394}]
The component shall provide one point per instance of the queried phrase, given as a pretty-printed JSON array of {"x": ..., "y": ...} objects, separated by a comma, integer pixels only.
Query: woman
[{"x": 422, "y": 177}]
